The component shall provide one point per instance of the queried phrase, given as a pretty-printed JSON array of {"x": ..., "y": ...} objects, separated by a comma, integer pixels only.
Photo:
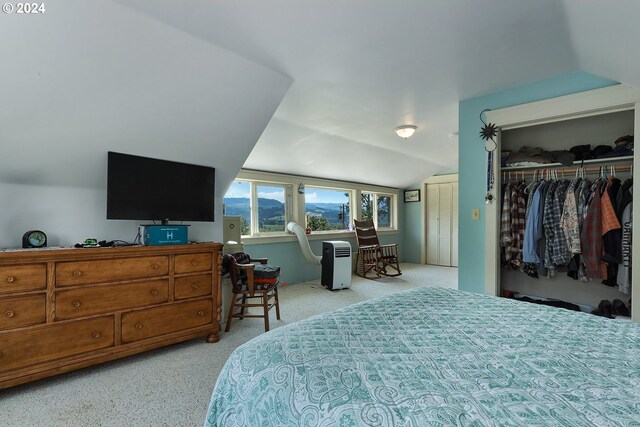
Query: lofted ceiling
[{"x": 309, "y": 87}]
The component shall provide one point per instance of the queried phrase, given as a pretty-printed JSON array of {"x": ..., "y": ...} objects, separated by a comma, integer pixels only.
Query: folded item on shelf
[
  {"x": 624, "y": 140},
  {"x": 559, "y": 156},
  {"x": 582, "y": 152},
  {"x": 527, "y": 154},
  {"x": 619, "y": 151},
  {"x": 601, "y": 150}
]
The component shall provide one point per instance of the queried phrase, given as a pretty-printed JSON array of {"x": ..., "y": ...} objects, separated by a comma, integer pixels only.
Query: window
[
  {"x": 266, "y": 202},
  {"x": 270, "y": 211},
  {"x": 261, "y": 206},
  {"x": 327, "y": 209},
  {"x": 378, "y": 208},
  {"x": 237, "y": 202},
  {"x": 384, "y": 211}
]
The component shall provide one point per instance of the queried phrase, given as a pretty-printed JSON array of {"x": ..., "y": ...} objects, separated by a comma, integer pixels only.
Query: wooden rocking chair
[{"x": 372, "y": 256}]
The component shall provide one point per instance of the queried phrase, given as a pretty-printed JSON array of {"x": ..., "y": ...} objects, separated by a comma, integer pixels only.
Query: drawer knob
[
  {"x": 201, "y": 313},
  {"x": 194, "y": 286},
  {"x": 77, "y": 273},
  {"x": 76, "y": 303},
  {"x": 154, "y": 292},
  {"x": 9, "y": 313},
  {"x": 155, "y": 266},
  {"x": 96, "y": 334},
  {"x": 194, "y": 262},
  {"x": 138, "y": 325},
  {"x": 11, "y": 279}
]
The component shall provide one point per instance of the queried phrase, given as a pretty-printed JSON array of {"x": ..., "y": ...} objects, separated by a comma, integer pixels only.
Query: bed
[{"x": 435, "y": 357}]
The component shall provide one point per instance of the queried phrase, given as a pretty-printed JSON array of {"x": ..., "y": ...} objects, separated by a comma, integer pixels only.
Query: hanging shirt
[
  {"x": 540, "y": 236},
  {"x": 569, "y": 222},
  {"x": 560, "y": 254},
  {"x": 624, "y": 270},
  {"x": 547, "y": 222},
  {"x": 505, "y": 222},
  {"x": 518, "y": 210},
  {"x": 530, "y": 242},
  {"x": 530, "y": 191},
  {"x": 591, "y": 236},
  {"x": 582, "y": 197}
]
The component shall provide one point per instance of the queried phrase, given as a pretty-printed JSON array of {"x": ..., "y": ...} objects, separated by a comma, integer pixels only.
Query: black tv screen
[{"x": 140, "y": 188}]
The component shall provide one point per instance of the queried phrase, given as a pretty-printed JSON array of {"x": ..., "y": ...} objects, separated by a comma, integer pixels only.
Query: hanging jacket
[
  {"x": 591, "y": 235},
  {"x": 623, "y": 197},
  {"x": 611, "y": 233}
]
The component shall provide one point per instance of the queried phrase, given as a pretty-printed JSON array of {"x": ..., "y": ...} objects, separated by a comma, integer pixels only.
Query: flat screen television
[{"x": 141, "y": 188}]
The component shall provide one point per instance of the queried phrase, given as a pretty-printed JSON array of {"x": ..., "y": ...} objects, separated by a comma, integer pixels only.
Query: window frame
[
  {"x": 392, "y": 214},
  {"x": 342, "y": 190},
  {"x": 254, "y": 227},
  {"x": 295, "y": 189}
]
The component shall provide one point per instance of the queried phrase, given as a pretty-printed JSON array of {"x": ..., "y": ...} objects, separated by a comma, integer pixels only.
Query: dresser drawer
[
  {"x": 22, "y": 311},
  {"x": 192, "y": 286},
  {"x": 101, "y": 299},
  {"x": 20, "y": 278},
  {"x": 110, "y": 270},
  {"x": 152, "y": 322},
  {"x": 189, "y": 263},
  {"x": 55, "y": 341}
]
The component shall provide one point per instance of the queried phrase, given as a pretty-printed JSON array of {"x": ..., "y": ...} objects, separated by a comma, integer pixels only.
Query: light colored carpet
[{"x": 172, "y": 386}]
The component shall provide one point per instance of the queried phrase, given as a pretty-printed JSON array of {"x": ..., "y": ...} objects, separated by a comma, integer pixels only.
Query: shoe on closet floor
[
  {"x": 605, "y": 309},
  {"x": 619, "y": 308}
]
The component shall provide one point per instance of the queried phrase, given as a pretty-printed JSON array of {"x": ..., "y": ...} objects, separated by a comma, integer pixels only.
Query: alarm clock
[{"x": 34, "y": 239}]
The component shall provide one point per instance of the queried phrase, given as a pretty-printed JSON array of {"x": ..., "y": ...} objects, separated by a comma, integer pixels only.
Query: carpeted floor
[{"x": 172, "y": 386}]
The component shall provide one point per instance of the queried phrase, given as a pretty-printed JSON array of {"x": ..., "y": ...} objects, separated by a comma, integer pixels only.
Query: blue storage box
[{"x": 157, "y": 235}]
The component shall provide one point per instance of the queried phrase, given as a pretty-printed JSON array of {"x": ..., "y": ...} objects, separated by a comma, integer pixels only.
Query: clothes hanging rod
[
  {"x": 567, "y": 170},
  {"x": 576, "y": 163}
]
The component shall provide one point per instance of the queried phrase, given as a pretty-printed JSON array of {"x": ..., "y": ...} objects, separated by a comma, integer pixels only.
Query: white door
[
  {"x": 442, "y": 224},
  {"x": 433, "y": 201}
]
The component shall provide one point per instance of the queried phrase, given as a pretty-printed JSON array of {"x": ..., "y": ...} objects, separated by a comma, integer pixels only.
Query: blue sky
[{"x": 312, "y": 195}]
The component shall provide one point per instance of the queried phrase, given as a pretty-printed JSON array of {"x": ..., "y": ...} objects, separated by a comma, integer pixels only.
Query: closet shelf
[{"x": 576, "y": 163}]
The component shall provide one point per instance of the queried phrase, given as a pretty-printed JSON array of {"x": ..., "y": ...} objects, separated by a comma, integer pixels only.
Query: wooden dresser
[{"x": 64, "y": 309}]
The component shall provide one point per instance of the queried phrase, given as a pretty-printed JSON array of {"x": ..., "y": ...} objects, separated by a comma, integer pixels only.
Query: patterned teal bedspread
[{"x": 435, "y": 357}]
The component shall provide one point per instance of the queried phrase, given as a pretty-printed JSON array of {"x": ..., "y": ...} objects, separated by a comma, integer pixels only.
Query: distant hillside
[
  {"x": 329, "y": 211},
  {"x": 272, "y": 211}
]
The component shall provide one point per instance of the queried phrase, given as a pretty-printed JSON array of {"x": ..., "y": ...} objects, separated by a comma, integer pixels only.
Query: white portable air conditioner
[{"x": 336, "y": 264}]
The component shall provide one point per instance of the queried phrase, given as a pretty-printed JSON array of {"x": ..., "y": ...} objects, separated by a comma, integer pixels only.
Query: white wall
[
  {"x": 68, "y": 215},
  {"x": 86, "y": 78}
]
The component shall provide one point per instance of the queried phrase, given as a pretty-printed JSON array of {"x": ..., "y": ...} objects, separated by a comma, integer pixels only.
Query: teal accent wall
[
  {"x": 413, "y": 229},
  {"x": 473, "y": 166},
  {"x": 294, "y": 268}
]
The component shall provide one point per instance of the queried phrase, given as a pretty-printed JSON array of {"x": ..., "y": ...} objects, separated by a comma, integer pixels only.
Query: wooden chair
[
  {"x": 372, "y": 256},
  {"x": 248, "y": 286}
]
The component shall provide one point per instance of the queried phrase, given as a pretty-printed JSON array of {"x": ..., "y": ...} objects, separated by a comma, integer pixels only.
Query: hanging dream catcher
[{"x": 488, "y": 133}]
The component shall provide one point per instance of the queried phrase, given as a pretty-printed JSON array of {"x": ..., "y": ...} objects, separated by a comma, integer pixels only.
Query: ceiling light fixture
[{"x": 405, "y": 131}]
